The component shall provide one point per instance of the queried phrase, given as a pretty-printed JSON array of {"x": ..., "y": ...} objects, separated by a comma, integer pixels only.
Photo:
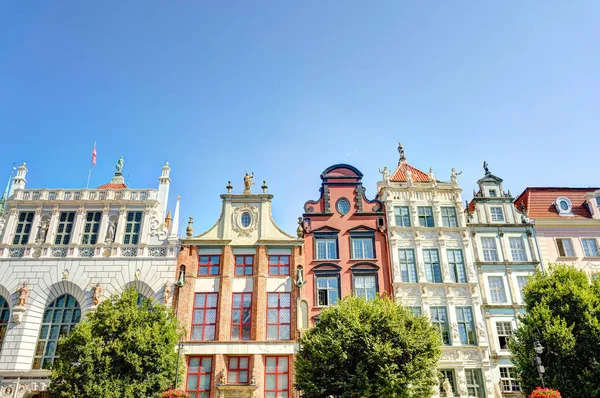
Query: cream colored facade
[
  {"x": 505, "y": 255},
  {"x": 433, "y": 271}
]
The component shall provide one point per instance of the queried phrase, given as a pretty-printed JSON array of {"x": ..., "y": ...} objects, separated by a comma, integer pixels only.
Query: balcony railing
[{"x": 85, "y": 194}]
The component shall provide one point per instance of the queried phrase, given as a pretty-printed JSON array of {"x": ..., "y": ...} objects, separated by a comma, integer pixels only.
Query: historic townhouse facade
[
  {"x": 433, "y": 272},
  {"x": 237, "y": 300},
  {"x": 345, "y": 242},
  {"x": 567, "y": 224},
  {"x": 506, "y": 254},
  {"x": 61, "y": 251}
]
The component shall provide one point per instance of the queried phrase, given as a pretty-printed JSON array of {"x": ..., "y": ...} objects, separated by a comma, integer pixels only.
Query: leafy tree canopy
[
  {"x": 122, "y": 350},
  {"x": 373, "y": 348},
  {"x": 563, "y": 313}
]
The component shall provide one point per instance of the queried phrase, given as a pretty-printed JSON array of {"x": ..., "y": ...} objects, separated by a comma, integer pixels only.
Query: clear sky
[{"x": 285, "y": 89}]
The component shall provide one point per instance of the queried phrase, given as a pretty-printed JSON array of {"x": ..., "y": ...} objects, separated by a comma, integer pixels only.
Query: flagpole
[{"x": 91, "y": 165}]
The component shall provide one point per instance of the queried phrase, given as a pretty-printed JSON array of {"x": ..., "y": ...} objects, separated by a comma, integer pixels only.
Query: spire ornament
[
  {"x": 401, "y": 152},
  {"x": 189, "y": 231}
]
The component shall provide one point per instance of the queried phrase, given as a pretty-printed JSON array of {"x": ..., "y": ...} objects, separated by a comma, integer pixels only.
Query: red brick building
[
  {"x": 237, "y": 302},
  {"x": 345, "y": 242}
]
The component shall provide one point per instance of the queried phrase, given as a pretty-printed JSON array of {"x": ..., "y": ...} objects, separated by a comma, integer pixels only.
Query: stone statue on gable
[
  {"x": 248, "y": 182},
  {"x": 385, "y": 173},
  {"x": 119, "y": 165}
]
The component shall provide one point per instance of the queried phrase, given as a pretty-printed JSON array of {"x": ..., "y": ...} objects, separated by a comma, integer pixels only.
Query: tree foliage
[
  {"x": 563, "y": 313},
  {"x": 121, "y": 350},
  {"x": 373, "y": 348}
]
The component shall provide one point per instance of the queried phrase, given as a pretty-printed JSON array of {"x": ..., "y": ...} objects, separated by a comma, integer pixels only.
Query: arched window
[
  {"x": 4, "y": 313},
  {"x": 60, "y": 317}
]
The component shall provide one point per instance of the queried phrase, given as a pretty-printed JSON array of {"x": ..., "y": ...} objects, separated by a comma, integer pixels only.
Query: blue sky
[{"x": 285, "y": 89}]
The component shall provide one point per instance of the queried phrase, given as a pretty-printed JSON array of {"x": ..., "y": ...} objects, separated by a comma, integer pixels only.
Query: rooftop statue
[{"x": 119, "y": 165}]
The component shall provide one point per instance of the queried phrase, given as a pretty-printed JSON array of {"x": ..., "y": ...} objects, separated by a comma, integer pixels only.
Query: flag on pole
[{"x": 94, "y": 155}]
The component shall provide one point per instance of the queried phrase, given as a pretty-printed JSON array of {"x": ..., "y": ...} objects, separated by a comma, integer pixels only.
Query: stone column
[
  {"x": 9, "y": 227},
  {"x": 146, "y": 225}
]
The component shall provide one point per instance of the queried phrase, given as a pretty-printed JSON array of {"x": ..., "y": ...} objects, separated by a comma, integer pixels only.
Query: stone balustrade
[{"x": 85, "y": 194}]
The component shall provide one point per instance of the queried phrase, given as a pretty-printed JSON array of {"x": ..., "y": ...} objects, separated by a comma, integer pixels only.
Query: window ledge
[
  {"x": 567, "y": 258},
  {"x": 363, "y": 259},
  {"x": 592, "y": 258},
  {"x": 327, "y": 259}
]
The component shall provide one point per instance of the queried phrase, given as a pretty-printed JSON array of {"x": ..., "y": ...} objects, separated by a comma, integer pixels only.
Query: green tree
[
  {"x": 122, "y": 350},
  {"x": 373, "y": 348},
  {"x": 563, "y": 309}
]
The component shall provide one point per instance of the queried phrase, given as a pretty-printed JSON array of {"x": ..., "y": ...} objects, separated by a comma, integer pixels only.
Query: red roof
[
  {"x": 400, "y": 175},
  {"x": 538, "y": 202},
  {"x": 112, "y": 186}
]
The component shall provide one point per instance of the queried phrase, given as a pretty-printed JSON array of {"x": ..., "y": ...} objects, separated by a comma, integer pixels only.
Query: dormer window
[
  {"x": 563, "y": 206},
  {"x": 493, "y": 193},
  {"x": 598, "y": 200}
]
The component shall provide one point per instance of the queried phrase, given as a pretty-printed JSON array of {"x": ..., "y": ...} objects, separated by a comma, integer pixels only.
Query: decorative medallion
[
  {"x": 37, "y": 253},
  {"x": 245, "y": 220},
  {"x": 107, "y": 252}
]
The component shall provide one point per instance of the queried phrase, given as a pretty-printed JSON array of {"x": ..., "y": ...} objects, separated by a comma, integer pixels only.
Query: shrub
[
  {"x": 544, "y": 393},
  {"x": 174, "y": 393}
]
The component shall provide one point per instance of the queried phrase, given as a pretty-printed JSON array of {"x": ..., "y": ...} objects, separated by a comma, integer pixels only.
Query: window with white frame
[
  {"x": 91, "y": 228},
  {"x": 522, "y": 281},
  {"x": 508, "y": 377},
  {"x": 504, "y": 330},
  {"x": 474, "y": 383},
  {"x": 327, "y": 290},
  {"x": 362, "y": 247},
  {"x": 433, "y": 271},
  {"x": 517, "y": 249},
  {"x": 416, "y": 310},
  {"x": 496, "y": 214},
  {"x": 590, "y": 247},
  {"x": 456, "y": 264},
  {"x": 365, "y": 286},
  {"x": 402, "y": 216},
  {"x": 133, "y": 225},
  {"x": 326, "y": 248},
  {"x": 23, "y": 228},
  {"x": 447, "y": 374},
  {"x": 493, "y": 193},
  {"x": 497, "y": 292},
  {"x": 439, "y": 319},
  {"x": 449, "y": 217},
  {"x": 565, "y": 247},
  {"x": 425, "y": 214},
  {"x": 65, "y": 227},
  {"x": 490, "y": 252},
  {"x": 408, "y": 268},
  {"x": 466, "y": 325}
]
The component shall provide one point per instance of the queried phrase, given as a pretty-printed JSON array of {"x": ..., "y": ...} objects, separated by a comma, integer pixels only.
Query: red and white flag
[{"x": 94, "y": 155}]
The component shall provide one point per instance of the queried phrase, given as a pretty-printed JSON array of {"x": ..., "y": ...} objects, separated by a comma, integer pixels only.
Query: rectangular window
[
  {"x": 91, "y": 228},
  {"x": 132, "y": 228},
  {"x": 493, "y": 193},
  {"x": 208, "y": 265},
  {"x": 278, "y": 316},
  {"x": 508, "y": 377},
  {"x": 565, "y": 248},
  {"x": 466, "y": 325},
  {"x": 277, "y": 383},
  {"x": 490, "y": 253},
  {"x": 199, "y": 374},
  {"x": 496, "y": 213},
  {"x": 243, "y": 265},
  {"x": 447, "y": 374},
  {"x": 517, "y": 249},
  {"x": 326, "y": 249},
  {"x": 23, "y": 228},
  {"x": 449, "y": 217},
  {"x": 365, "y": 286},
  {"x": 416, "y": 310},
  {"x": 241, "y": 316},
  {"x": 439, "y": 318},
  {"x": 590, "y": 247},
  {"x": 327, "y": 290},
  {"x": 237, "y": 370},
  {"x": 433, "y": 272},
  {"x": 497, "y": 292},
  {"x": 474, "y": 383},
  {"x": 598, "y": 200},
  {"x": 504, "y": 330},
  {"x": 204, "y": 320},
  {"x": 279, "y": 265},
  {"x": 522, "y": 281},
  {"x": 362, "y": 248},
  {"x": 425, "y": 216},
  {"x": 402, "y": 215},
  {"x": 408, "y": 268},
  {"x": 65, "y": 227},
  {"x": 457, "y": 266}
]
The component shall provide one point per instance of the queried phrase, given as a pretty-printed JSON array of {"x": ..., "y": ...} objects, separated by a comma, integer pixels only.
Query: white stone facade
[
  {"x": 132, "y": 245},
  {"x": 506, "y": 254},
  {"x": 433, "y": 271}
]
